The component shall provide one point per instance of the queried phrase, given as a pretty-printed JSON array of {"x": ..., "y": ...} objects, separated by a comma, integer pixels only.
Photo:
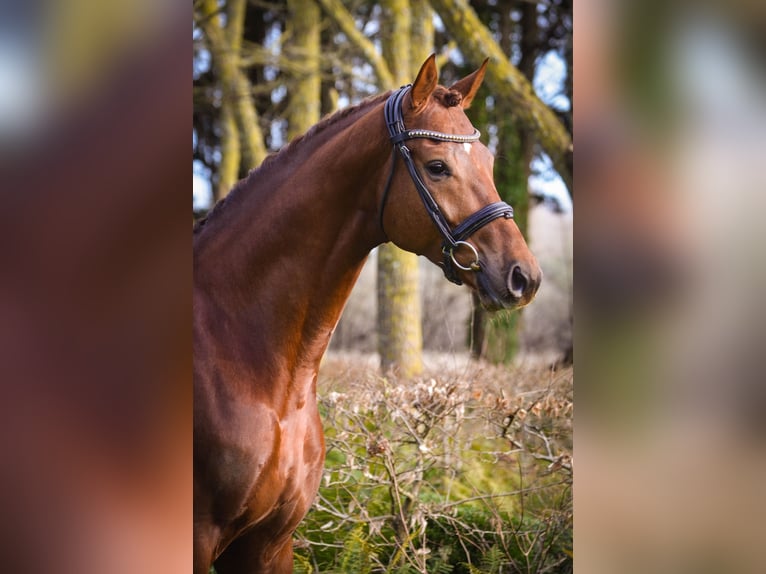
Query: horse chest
[{"x": 288, "y": 468}]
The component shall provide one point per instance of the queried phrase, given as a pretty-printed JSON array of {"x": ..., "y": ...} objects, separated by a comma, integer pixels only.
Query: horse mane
[{"x": 290, "y": 148}]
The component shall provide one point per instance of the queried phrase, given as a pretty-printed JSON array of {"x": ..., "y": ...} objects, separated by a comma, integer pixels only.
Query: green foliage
[
  {"x": 302, "y": 564},
  {"x": 357, "y": 552},
  {"x": 437, "y": 476},
  {"x": 491, "y": 562}
]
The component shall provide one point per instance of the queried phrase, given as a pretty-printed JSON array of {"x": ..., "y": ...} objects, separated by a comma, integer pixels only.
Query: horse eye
[{"x": 437, "y": 167}]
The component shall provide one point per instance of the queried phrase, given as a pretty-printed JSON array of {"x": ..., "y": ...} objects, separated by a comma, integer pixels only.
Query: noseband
[{"x": 453, "y": 239}]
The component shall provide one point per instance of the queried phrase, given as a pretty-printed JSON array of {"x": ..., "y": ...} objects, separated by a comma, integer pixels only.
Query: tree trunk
[
  {"x": 242, "y": 145},
  {"x": 228, "y": 169},
  {"x": 250, "y": 134},
  {"x": 400, "y": 337},
  {"x": 422, "y": 35},
  {"x": 496, "y": 338},
  {"x": 253, "y": 150},
  {"x": 305, "y": 98}
]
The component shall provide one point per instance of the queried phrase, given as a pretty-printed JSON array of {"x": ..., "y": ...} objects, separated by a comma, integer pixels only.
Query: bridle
[{"x": 453, "y": 239}]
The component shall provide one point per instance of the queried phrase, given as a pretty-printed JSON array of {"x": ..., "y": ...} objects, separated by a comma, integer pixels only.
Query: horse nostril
[{"x": 517, "y": 282}]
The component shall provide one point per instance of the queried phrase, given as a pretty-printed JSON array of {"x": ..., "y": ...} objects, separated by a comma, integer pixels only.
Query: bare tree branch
[
  {"x": 238, "y": 109},
  {"x": 335, "y": 10}
]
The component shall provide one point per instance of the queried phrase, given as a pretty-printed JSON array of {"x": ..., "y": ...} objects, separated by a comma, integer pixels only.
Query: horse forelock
[
  {"x": 446, "y": 97},
  {"x": 273, "y": 160}
]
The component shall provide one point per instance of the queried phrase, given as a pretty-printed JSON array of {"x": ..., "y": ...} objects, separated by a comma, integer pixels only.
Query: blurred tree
[
  {"x": 303, "y": 51},
  {"x": 496, "y": 337},
  {"x": 241, "y": 140},
  {"x": 422, "y": 35},
  {"x": 400, "y": 338}
]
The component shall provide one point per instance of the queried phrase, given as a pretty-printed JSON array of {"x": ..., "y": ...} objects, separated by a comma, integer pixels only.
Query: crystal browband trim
[{"x": 442, "y": 136}]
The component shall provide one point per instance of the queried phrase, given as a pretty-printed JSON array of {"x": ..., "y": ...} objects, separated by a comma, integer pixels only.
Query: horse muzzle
[{"x": 516, "y": 289}]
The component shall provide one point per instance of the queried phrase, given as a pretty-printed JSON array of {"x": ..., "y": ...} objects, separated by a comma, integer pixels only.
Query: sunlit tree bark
[
  {"x": 250, "y": 137},
  {"x": 422, "y": 35},
  {"x": 228, "y": 169},
  {"x": 400, "y": 338},
  {"x": 242, "y": 144},
  {"x": 305, "y": 96}
]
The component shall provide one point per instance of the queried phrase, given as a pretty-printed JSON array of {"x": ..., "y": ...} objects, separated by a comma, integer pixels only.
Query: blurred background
[
  {"x": 95, "y": 295},
  {"x": 670, "y": 114}
]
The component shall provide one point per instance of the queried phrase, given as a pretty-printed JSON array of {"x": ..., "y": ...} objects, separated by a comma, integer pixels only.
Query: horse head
[{"x": 454, "y": 215}]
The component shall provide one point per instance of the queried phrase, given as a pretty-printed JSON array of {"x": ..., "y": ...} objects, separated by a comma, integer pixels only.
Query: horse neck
[{"x": 281, "y": 263}]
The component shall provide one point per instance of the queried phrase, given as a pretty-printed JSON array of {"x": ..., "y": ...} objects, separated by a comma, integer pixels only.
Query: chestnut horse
[{"x": 273, "y": 267}]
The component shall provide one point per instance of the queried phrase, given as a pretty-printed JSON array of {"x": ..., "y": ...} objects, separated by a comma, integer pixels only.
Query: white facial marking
[{"x": 467, "y": 147}]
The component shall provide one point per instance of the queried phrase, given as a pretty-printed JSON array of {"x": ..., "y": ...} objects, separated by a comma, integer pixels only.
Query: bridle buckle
[{"x": 475, "y": 265}]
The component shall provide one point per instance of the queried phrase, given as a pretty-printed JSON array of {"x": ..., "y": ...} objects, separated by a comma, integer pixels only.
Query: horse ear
[
  {"x": 469, "y": 85},
  {"x": 425, "y": 82}
]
